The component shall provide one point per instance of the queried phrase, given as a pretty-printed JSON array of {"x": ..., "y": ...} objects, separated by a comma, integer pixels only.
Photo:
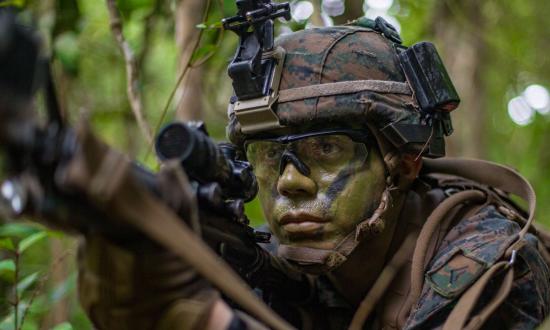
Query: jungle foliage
[{"x": 493, "y": 50}]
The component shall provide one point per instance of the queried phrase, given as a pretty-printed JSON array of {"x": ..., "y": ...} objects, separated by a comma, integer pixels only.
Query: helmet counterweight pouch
[
  {"x": 436, "y": 97},
  {"x": 428, "y": 78}
]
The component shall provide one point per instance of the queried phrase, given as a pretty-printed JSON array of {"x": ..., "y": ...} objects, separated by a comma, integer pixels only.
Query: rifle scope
[{"x": 206, "y": 162}]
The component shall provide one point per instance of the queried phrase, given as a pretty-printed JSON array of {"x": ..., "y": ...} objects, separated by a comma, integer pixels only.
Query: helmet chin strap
[{"x": 319, "y": 261}]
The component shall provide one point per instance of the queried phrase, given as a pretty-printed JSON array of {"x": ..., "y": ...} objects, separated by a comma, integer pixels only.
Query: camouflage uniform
[
  {"x": 470, "y": 240},
  {"x": 482, "y": 239},
  {"x": 464, "y": 249},
  {"x": 463, "y": 253}
]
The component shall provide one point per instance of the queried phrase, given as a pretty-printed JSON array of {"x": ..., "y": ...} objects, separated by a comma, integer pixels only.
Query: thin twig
[
  {"x": 209, "y": 55},
  {"x": 42, "y": 282},
  {"x": 148, "y": 27},
  {"x": 132, "y": 70},
  {"x": 185, "y": 68},
  {"x": 180, "y": 79},
  {"x": 16, "y": 302},
  {"x": 206, "y": 57}
]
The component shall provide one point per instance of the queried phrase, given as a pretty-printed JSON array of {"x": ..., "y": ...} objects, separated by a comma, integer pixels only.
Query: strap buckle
[{"x": 512, "y": 258}]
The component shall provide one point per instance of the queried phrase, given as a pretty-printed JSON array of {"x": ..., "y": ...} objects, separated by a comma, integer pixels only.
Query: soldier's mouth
[{"x": 302, "y": 225}]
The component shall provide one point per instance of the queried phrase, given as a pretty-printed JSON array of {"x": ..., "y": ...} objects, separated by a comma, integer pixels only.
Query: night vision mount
[{"x": 257, "y": 65}]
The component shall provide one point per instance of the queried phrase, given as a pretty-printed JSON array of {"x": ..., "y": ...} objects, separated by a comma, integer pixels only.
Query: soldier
[{"x": 385, "y": 240}]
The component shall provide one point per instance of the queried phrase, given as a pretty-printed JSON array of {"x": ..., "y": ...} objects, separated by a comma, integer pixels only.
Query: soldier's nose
[{"x": 293, "y": 183}]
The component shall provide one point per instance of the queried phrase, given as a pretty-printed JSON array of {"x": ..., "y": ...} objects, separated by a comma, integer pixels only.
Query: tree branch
[
  {"x": 132, "y": 70},
  {"x": 148, "y": 27},
  {"x": 185, "y": 68}
]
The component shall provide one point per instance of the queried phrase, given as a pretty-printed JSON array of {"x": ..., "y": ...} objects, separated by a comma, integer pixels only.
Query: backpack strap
[
  {"x": 505, "y": 179},
  {"x": 419, "y": 243},
  {"x": 459, "y": 315},
  {"x": 427, "y": 232},
  {"x": 491, "y": 174}
]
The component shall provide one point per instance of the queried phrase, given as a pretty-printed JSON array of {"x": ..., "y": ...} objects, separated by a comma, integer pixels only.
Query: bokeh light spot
[
  {"x": 334, "y": 7},
  {"x": 302, "y": 10},
  {"x": 537, "y": 97},
  {"x": 520, "y": 111},
  {"x": 7, "y": 190},
  {"x": 383, "y": 5}
]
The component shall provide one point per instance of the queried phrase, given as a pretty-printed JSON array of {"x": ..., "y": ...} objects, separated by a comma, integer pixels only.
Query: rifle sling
[
  {"x": 490, "y": 174},
  {"x": 129, "y": 201}
]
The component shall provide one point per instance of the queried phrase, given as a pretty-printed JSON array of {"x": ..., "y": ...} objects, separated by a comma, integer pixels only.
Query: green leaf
[
  {"x": 214, "y": 25},
  {"x": 7, "y": 244},
  {"x": 56, "y": 234},
  {"x": 7, "y": 322},
  {"x": 67, "y": 51},
  {"x": 63, "y": 326},
  {"x": 63, "y": 289},
  {"x": 26, "y": 282},
  {"x": 18, "y": 229},
  {"x": 31, "y": 240},
  {"x": 7, "y": 270},
  {"x": 8, "y": 265},
  {"x": 15, "y": 3}
]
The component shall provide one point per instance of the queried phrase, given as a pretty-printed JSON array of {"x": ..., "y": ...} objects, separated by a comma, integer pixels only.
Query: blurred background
[{"x": 496, "y": 53}]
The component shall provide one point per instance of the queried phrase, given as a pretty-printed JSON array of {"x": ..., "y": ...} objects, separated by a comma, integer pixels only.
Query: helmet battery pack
[{"x": 428, "y": 78}]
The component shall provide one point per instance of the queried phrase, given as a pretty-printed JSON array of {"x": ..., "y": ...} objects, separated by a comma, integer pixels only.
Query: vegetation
[{"x": 493, "y": 50}]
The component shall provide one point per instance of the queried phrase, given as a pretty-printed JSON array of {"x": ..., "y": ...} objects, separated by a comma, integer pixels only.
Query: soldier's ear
[{"x": 409, "y": 169}]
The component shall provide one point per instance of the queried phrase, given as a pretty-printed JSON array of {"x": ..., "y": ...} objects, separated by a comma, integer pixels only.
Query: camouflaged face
[{"x": 344, "y": 53}]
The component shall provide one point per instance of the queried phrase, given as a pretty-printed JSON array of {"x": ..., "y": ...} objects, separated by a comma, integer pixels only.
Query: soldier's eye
[
  {"x": 272, "y": 153},
  {"x": 329, "y": 148}
]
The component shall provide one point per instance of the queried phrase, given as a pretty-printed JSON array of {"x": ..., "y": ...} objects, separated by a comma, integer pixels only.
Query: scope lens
[{"x": 174, "y": 141}]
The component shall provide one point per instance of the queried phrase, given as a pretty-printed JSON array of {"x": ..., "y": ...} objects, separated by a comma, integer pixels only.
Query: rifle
[{"x": 38, "y": 152}]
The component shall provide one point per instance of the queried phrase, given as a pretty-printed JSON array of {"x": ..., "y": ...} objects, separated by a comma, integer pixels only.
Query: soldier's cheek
[
  {"x": 356, "y": 201},
  {"x": 271, "y": 204}
]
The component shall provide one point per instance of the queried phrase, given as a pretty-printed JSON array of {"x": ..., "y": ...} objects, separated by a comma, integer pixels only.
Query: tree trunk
[
  {"x": 189, "y": 13},
  {"x": 58, "y": 273},
  {"x": 458, "y": 29},
  {"x": 354, "y": 10}
]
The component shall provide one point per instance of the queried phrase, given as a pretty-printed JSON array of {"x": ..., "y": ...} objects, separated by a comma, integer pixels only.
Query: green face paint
[{"x": 317, "y": 209}]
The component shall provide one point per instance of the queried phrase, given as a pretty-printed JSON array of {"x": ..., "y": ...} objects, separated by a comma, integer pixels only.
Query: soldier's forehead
[{"x": 317, "y": 127}]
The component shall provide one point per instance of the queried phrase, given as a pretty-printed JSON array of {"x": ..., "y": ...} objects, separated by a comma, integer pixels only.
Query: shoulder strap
[
  {"x": 459, "y": 315},
  {"x": 491, "y": 174},
  {"x": 510, "y": 181}
]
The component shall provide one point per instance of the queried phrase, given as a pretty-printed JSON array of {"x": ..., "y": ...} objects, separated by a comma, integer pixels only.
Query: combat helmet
[{"x": 358, "y": 74}]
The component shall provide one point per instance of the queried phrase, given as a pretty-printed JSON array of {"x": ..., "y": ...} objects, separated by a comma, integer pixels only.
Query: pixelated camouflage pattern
[
  {"x": 341, "y": 53},
  {"x": 456, "y": 275},
  {"x": 483, "y": 240},
  {"x": 465, "y": 253}
]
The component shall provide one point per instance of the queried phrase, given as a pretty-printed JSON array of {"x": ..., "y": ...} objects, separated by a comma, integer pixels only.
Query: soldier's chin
[
  {"x": 319, "y": 241},
  {"x": 313, "y": 269}
]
